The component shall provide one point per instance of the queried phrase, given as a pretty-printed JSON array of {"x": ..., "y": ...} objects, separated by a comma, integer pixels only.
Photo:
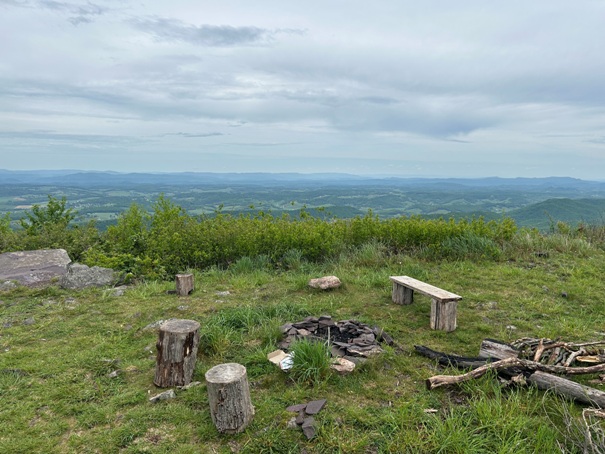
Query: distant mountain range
[
  {"x": 95, "y": 179},
  {"x": 532, "y": 202}
]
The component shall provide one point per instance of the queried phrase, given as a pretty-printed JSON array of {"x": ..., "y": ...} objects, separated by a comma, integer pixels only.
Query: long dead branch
[{"x": 443, "y": 380}]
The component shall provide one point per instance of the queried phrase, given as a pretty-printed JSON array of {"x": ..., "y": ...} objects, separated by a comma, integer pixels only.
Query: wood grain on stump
[
  {"x": 229, "y": 397},
  {"x": 177, "y": 346},
  {"x": 184, "y": 284}
]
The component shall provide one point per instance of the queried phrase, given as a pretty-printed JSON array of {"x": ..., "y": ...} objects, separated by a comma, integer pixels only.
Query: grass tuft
[{"x": 310, "y": 361}]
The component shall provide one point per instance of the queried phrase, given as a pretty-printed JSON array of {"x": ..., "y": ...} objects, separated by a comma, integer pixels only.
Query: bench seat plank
[{"x": 426, "y": 289}]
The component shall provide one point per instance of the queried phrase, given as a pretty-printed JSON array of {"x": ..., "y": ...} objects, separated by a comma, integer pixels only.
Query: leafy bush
[
  {"x": 53, "y": 214},
  {"x": 168, "y": 240}
]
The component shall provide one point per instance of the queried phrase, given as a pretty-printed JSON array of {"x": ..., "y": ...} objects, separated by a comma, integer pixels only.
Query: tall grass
[{"x": 310, "y": 361}]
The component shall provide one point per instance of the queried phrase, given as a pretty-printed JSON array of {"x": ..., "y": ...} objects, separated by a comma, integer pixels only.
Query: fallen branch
[
  {"x": 442, "y": 380},
  {"x": 492, "y": 350}
]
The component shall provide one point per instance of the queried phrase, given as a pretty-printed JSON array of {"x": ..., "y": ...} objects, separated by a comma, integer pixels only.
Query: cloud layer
[{"x": 400, "y": 87}]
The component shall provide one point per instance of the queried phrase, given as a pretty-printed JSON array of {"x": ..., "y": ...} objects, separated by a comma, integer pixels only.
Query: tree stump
[
  {"x": 229, "y": 397},
  {"x": 177, "y": 350},
  {"x": 184, "y": 284}
]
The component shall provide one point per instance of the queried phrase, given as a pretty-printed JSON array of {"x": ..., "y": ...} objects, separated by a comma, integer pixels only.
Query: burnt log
[{"x": 177, "y": 346}]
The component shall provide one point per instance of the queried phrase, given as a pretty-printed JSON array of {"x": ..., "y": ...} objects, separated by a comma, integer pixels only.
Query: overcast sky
[{"x": 410, "y": 88}]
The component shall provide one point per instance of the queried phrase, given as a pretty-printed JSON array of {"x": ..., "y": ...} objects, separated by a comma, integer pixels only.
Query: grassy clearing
[{"x": 58, "y": 348}]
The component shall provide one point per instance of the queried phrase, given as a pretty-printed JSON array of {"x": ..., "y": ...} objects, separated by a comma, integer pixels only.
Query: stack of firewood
[
  {"x": 559, "y": 353},
  {"x": 535, "y": 361}
]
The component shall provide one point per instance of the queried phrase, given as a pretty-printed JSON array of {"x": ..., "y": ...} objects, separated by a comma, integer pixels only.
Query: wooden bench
[{"x": 443, "y": 305}]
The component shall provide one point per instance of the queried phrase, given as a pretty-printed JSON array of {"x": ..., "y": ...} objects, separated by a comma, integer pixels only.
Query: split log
[
  {"x": 229, "y": 397},
  {"x": 184, "y": 284},
  {"x": 177, "y": 346}
]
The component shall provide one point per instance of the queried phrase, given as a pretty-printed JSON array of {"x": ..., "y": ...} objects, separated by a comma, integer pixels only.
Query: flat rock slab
[
  {"x": 296, "y": 408},
  {"x": 315, "y": 406},
  {"x": 308, "y": 427},
  {"x": 81, "y": 276},
  {"x": 34, "y": 268}
]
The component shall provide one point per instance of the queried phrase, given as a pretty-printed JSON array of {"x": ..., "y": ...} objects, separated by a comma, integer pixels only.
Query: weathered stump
[
  {"x": 229, "y": 397},
  {"x": 184, "y": 284},
  {"x": 443, "y": 315},
  {"x": 177, "y": 345}
]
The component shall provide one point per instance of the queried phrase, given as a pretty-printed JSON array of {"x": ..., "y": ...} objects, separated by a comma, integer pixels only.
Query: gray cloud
[
  {"x": 190, "y": 135},
  {"x": 164, "y": 29},
  {"x": 77, "y": 13}
]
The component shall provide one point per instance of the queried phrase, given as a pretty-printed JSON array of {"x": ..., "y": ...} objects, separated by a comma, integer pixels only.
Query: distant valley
[{"x": 532, "y": 202}]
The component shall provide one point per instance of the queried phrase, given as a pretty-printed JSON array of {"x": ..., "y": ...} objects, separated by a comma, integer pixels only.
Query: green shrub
[{"x": 54, "y": 213}]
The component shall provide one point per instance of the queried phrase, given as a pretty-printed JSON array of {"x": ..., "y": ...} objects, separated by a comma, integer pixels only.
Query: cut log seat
[{"x": 443, "y": 305}]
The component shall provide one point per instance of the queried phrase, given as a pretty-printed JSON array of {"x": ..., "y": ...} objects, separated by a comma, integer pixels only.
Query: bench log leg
[
  {"x": 402, "y": 295},
  {"x": 443, "y": 315}
]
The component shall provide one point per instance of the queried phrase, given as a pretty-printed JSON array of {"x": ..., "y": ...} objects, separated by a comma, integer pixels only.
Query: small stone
[
  {"x": 29, "y": 321},
  {"x": 285, "y": 328},
  {"x": 296, "y": 408},
  {"x": 114, "y": 374},
  {"x": 343, "y": 366},
  {"x": 545, "y": 289},
  {"x": 315, "y": 406},
  {"x": 157, "y": 324},
  {"x": 190, "y": 385},
  {"x": 325, "y": 283},
  {"x": 8, "y": 285},
  {"x": 300, "y": 418},
  {"x": 357, "y": 360},
  {"x": 337, "y": 351},
  {"x": 183, "y": 308},
  {"x": 7, "y": 325},
  {"x": 118, "y": 291},
  {"x": 292, "y": 423},
  {"x": 308, "y": 427},
  {"x": 163, "y": 396},
  {"x": 564, "y": 294},
  {"x": 511, "y": 327},
  {"x": 225, "y": 293},
  {"x": 303, "y": 332}
]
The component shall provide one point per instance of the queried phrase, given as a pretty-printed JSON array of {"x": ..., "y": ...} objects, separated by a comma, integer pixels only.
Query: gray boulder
[
  {"x": 34, "y": 268},
  {"x": 82, "y": 276}
]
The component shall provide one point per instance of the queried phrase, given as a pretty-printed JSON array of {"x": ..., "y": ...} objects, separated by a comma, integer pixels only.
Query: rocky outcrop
[
  {"x": 81, "y": 276},
  {"x": 34, "y": 268},
  {"x": 50, "y": 266}
]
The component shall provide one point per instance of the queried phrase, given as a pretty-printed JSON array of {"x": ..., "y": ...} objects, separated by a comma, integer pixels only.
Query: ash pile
[{"x": 349, "y": 338}]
